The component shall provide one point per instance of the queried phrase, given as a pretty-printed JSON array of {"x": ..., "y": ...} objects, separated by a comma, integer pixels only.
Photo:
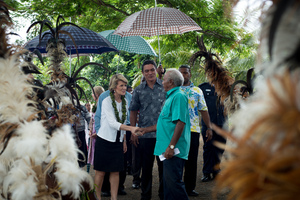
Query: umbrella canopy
[
  {"x": 88, "y": 42},
  {"x": 156, "y": 21},
  {"x": 132, "y": 44}
]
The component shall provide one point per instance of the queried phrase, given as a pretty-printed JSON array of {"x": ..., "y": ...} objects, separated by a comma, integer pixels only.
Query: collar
[
  {"x": 158, "y": 81},
  {"x": 171, "y": 91}
]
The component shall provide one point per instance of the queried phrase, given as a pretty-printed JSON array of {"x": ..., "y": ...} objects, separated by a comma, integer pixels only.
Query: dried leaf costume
[
  {"x": 35, "y": 162},
  {"x": 265, "y": 161},
  {"x": 228, "y": 90}
]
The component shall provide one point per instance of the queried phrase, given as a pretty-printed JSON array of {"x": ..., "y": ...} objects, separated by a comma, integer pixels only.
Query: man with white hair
[{"x": 173, "y": 132}]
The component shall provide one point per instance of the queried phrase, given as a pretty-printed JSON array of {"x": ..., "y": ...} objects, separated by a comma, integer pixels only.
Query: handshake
[{"x": 138, "y": 131}]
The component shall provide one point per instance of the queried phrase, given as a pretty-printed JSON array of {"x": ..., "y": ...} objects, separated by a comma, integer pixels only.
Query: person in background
[
  {"x": 87, "y": 129},
  {"x": 196, "y": 104},
  {"x": 128, "y": 154},
  {"x": 129, "y": 89},
  {"x": 88, "y": 107},
  {"x": 212, "y": 154},
  {"x": 110, "y": 144},
  {"x": 92, "y": 133},
  {"x": 147, "y": 101},
  {"x": 84, "y": 118}
]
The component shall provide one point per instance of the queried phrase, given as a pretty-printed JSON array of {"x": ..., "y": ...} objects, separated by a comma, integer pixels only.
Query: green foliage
[{"x": 224, "y": 35}]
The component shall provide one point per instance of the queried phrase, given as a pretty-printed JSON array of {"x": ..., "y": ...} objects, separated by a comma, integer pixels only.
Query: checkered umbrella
[
  {"x": 88, "y": 42},
  {"x": 132, "y": 44},
  {"x": 156, "y": 21}
]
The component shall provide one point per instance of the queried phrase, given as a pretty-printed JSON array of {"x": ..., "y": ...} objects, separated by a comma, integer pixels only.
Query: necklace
[{"x": 112, "y": 96}]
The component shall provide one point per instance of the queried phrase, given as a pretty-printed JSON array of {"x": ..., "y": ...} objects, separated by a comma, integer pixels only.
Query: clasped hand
[{"x": 136, "y": 131}]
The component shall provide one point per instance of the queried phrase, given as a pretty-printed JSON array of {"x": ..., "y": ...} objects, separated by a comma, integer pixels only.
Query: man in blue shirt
[{"x": 173, "y": 132}]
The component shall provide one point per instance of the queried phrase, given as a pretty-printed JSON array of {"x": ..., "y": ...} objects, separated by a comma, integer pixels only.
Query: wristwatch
[{"x": 172, "y": 147}]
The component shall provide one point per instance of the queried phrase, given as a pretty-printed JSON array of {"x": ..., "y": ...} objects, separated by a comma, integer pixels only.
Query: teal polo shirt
[{"x": 175, "y": 108}]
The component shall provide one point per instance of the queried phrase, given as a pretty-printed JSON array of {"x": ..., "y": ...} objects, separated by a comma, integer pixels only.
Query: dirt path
[{"x": 204, "y": 189}]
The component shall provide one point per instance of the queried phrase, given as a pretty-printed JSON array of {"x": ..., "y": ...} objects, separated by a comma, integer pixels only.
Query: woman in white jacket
[{"x": 110, "y": 142}]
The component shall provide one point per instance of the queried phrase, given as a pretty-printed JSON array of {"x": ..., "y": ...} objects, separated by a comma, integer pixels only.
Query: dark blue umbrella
[{"x": 88, "y": 42}]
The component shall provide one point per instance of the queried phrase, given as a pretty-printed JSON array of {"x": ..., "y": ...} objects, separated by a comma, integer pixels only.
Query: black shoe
[
  {"x": 206, "y": 178},
  {"x": 136, "y": 186},
  {"x": 105, "y": 194},
  {"x": 121, "y": 192},
  {"x": 193, "y": 193}
]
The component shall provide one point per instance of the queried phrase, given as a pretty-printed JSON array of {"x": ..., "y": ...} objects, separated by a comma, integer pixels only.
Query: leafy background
[{"x": 223, "y": 34}]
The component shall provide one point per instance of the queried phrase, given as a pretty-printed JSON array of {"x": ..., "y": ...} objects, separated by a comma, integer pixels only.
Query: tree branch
[
  {"x": 215, "y": 34},
  {"x": 102, "y": 3},
  {"x": 168, "y": 3}
]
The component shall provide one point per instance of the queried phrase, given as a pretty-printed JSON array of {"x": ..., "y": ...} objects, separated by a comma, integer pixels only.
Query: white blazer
[{"x": 109, "y": 124}]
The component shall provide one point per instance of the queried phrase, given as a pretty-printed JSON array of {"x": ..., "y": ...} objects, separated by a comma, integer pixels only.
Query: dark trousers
[
  {"x": 136, "y": 164},
  {"x": 190, "y": 173},
  {"x": 82, "y": 160},
  {"x": 211, "y": 154},
  {"x": 128, "y": 154},
  {"x": 147, "y": 149},
  {"x": 173, "y": 185}
]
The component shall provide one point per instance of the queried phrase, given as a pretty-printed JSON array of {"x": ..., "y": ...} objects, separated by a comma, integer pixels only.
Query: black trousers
[
  {"x": 128, "y": 154},
  {"x": 147, "y": 149},
  {"x": 82, "y": 160},
  {"x": 136, "y": 164},
  {"x": 190, "y": 172},
  {"x": 211, "y": 154}
]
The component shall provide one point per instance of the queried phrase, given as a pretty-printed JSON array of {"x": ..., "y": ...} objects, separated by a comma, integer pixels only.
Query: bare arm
[
  {"x": 128, "y": 128},
  {"x": 142, "y": 131},
  {"x": 206, "y": 119},
  {"x": 133, "y": 119},
  {"x": 177, "y": 134}
]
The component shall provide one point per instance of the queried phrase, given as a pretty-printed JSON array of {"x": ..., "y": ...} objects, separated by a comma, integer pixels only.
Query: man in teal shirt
[{"x": 173, "y": 131}]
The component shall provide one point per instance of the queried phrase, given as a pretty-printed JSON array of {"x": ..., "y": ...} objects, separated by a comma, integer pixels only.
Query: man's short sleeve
[
  {"x": 135, "y": 101},
  {"x": 180, "y": 110},
  {"x": 201, "y": 100}
]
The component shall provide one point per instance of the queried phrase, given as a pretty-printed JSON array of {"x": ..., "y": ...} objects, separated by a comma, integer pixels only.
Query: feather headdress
[{"x": 220, "y": 78}]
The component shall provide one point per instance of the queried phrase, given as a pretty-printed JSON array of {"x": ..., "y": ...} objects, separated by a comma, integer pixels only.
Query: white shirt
[{"x": 109, "y": 124}]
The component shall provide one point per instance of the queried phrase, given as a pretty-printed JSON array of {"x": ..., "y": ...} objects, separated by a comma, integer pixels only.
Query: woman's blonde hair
[{"x": 114, "y": 81}]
